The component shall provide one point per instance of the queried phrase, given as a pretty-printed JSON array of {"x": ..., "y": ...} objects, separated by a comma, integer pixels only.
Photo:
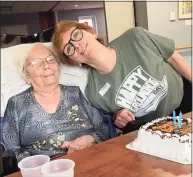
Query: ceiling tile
[
  {"x": 5, "y": 3},
  {"x": 34, "y": 6},
  {"x": 19, "y": 6},
  {"x": 43, "y": 6},
  {"x": 48, "y": 5},
  {"x": 81, "y": 5}
]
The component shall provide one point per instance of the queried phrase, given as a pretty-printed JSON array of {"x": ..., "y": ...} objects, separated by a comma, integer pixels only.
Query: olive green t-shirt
[{"x": 142, "y": 81}]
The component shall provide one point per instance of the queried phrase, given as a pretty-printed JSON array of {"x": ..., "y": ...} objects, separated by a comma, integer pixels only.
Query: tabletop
[{"x": 112, "y": 159}]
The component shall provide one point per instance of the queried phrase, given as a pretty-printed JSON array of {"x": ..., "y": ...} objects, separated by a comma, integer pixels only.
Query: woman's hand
[
  {"x": 79, "y": 143},
  {"x": 122, "y": 117}
]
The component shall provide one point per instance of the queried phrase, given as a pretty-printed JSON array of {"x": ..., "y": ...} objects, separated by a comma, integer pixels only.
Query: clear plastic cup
[
  {"x": 59, "y": 168},
  {"x": 31, "y": 166}
]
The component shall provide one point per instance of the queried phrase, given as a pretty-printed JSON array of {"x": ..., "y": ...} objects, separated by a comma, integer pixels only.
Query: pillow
[{"x": 12, "y": 82}]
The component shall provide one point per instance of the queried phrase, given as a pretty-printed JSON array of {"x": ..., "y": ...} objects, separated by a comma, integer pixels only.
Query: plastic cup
[
  {"x": 31, "y": 166},
  {"x": 59, "y": 168}
]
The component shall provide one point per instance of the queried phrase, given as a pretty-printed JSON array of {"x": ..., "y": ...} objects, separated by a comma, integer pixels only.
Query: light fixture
[{"x": 76, "y": 5}]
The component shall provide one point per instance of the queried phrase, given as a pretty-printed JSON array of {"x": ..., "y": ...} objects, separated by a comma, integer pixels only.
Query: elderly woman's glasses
[
  {"x": 38, "y": 62},
  {"x": 69, "y": 48}
]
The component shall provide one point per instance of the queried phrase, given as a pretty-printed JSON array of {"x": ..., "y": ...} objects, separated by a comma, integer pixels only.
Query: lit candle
[
  {"x": 180, "y": 120},
  {"x": 174, "y": 118}
]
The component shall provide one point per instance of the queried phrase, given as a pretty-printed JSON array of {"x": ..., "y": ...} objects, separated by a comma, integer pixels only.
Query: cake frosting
[{"x": 163, "y": 139}]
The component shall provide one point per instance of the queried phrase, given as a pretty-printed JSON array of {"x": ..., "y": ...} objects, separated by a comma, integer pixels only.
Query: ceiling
[{"x": 14, "y": 7}]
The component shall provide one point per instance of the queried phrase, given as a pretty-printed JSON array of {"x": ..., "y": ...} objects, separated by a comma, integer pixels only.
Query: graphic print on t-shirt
[{"x": 140, "y": 93}]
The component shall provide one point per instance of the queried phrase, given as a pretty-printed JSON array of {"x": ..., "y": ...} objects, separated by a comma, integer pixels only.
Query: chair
[
  {"x": 8, "y": 158},
  {"x": 46, "y": 35},
  {"x": 8, "y": 40},
  {"x": 2, "y": 149},
  {"x": 12, "y": 84},
  {"x": 9, "y": 162}
]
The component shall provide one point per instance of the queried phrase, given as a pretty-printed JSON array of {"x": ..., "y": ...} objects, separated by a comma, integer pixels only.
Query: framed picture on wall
[
  {"x": 184, "y": 9},
  {"x": 89, "y": 20}
]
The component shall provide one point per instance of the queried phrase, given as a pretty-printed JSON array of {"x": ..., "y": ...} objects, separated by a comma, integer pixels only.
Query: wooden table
[{"x": 112, "y": 159}]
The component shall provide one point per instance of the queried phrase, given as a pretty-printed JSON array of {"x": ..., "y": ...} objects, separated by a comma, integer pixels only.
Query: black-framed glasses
[
  {"x": 69, "y": 48},
  {"x": 38, "y": 62}
]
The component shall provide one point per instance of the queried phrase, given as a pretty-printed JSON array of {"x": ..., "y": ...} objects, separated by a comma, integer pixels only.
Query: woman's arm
[
  {"x": 11, "y": 131},
  {"x": 180, "y": 65},
  {"x": 101, "y": 129},
  {"x": 100, "y": 123}
]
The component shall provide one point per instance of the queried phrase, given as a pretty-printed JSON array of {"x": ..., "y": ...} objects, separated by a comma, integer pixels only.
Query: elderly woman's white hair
[{"x": 21, "y": 57}]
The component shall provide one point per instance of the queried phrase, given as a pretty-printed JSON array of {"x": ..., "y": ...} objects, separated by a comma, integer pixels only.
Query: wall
[
  {"x": 119, "y": 18},
  {"x": 46, "y": 20},
  {"x": 141, "y": 19},
  {"x": 29, "y": 19},
  {"x": 74, "y": 14},
  {"x": 159, "y": 22}
]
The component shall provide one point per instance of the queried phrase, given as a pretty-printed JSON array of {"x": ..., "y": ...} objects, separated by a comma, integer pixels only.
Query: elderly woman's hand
[
  {"x": 79, "y": 143},
  {"x": 122, "y": 117}
]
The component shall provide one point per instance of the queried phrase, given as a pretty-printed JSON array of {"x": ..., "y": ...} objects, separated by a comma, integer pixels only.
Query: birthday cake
[{"x": 165, "y": 139}]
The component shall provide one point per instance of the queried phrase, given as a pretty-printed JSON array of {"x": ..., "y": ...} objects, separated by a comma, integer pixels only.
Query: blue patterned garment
[{"x": 28, "y": 129}]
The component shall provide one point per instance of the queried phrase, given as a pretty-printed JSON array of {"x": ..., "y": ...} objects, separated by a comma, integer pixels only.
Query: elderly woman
[
  {"x": 49, "y": 118},
  {"x": 139, "y": 76}
]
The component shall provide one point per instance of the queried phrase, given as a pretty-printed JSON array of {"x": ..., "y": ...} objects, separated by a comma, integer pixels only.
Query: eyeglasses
[
  {"x": 38, "y": 62},
  {"x": 69, "y": 48}
]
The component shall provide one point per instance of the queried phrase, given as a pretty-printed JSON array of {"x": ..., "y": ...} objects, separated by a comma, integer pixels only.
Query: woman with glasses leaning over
[
  {"x": 49, "y": 118},
  {"x": 137, "y": 77}
]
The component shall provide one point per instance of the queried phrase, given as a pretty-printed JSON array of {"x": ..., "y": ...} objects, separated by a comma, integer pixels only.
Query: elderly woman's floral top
[{"x": 28, "y": 129}]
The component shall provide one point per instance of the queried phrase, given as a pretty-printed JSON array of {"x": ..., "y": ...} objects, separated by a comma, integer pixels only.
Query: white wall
[
  {"x": 119, "y": 18},
  {"x": 159, "y": 22}
]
